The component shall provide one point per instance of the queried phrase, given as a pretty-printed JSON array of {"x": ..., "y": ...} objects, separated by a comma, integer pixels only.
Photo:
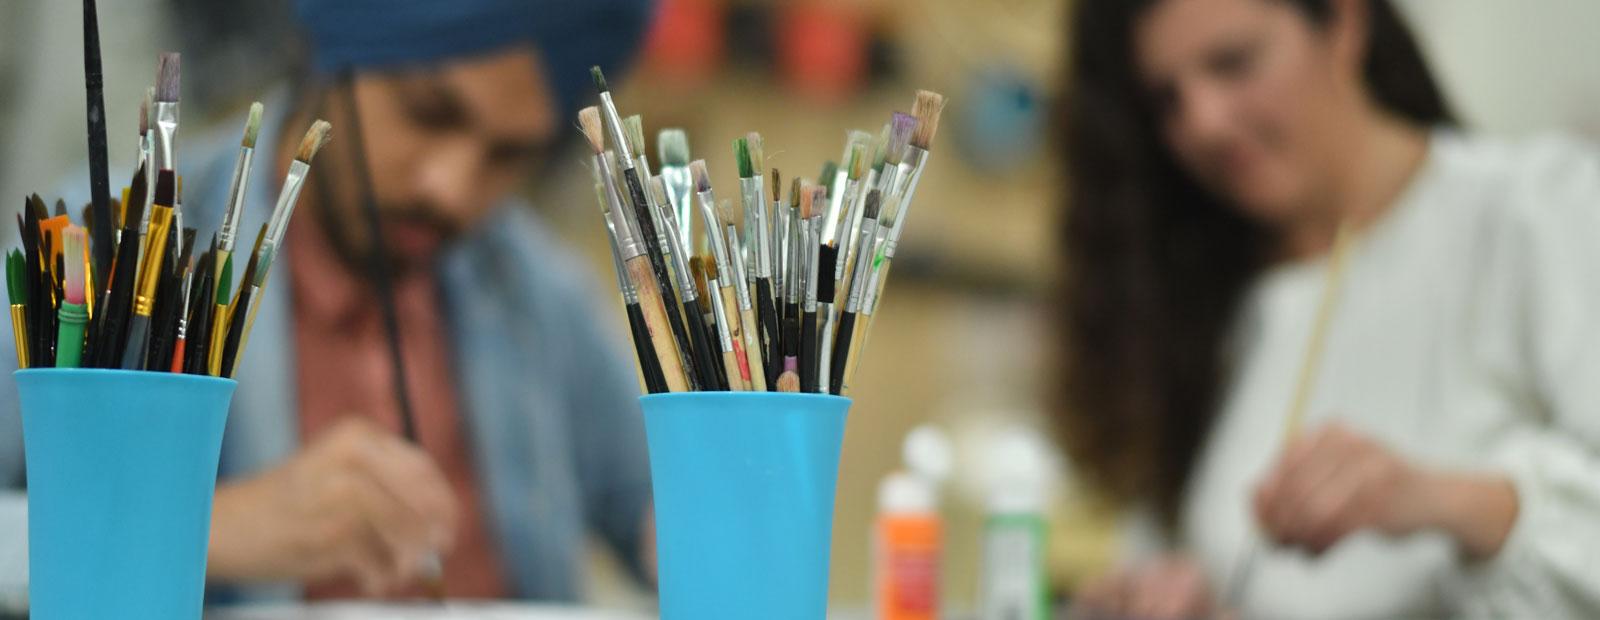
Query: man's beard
[{"x": 338, "y": 225}]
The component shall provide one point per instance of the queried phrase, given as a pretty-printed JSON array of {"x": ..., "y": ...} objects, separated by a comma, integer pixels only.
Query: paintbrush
[
  {"x": 17, "y": 292},
  {"x": 749, "y": 338},
  {"x": 226, "y": 236},
  {"x": 631, "y": 246},
  {"x": 673, "y": 147},
  {"x": 649, "y": 367},
  {"x": 272, "y": 241},
  {"x": 133, "y": 356},
  {"x": 815, "y": 197},
  {"x": 721, "y": 255},
  {"x": 169, "y": 300},
  {"x": 117, "y": 298},
  {"x": 926, "y": 109},
  {"x": 758, "y": 223},
  {"x": 733, "y": 377},
  {"x": 243, "y": 301},
  {"x": 165, "y": 126},
  {"x": 99, "y": 175},
  {"x": 635, "y": 198},
  {"x": 847, "y": 348},
  {"x": 203, "y": 323},
  {"x": 780, "y": 258}
]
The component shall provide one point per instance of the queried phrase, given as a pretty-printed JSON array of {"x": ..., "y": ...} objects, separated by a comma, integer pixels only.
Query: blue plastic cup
[
  {"x": 744, "y": 485},
  {"x": 121, "y": 467}
]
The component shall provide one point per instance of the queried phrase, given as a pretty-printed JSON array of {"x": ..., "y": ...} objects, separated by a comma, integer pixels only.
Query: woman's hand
[
  {"x": 1170, "y": 587},
  {"x": 1336, "y": 481}
]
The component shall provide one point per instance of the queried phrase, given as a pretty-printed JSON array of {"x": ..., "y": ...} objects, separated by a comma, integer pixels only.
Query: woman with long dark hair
[{"x": 1272, "y": 211}]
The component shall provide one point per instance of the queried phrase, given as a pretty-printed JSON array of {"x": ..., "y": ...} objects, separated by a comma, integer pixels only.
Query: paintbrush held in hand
[
  {"x": 125, "y": 288},
  {"x": 776, "y": 296}
]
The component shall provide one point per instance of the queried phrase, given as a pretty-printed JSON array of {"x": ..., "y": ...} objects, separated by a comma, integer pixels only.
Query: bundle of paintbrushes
[
  {"x": 128, "y": 289},
  {"x": 777, "y": 297}
]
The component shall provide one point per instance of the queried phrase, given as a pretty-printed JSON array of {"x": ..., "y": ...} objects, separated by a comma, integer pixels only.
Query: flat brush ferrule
[
  {"x": 917, "y": 159},
  {"x": 863, "y": 263},
  {"x": 741, "y": 289},
  {"x": 753, "y": 191},
  {"x": 628, "y": 243},
  {"x": 236, "y": 192},
  {"x": 278, "y": 226},
  {"x": 630, "y": 295},
  {"x": 680, "y": 186},
  {"x": 154, "y": 256},
  {"x": 614, "y": 130},
  {"x": 165, "y": 130},
  {"x": 719, "y": 314},
  {"x": 708, "y": 211},
  {"x": 813, "y": 259}
]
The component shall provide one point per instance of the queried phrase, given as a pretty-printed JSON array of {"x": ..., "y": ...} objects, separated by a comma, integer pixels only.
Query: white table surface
[{"x": 453, "y": 609}]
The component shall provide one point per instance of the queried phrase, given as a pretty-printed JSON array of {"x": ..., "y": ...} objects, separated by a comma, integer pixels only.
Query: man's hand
[
  {"x": 1336, "y": 481},
  {"x": 357, "y": 502}
]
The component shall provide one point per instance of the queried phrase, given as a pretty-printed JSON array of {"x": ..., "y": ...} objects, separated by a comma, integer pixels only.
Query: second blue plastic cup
[
  {"x": 121, "y": 467},
  {"x": 744, "y": 486}
]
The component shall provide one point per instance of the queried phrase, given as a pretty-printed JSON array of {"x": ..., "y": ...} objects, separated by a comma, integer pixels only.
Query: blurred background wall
[{"x": 962, "y": 339}]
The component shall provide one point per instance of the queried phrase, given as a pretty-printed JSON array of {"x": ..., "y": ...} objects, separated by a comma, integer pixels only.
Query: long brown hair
[{"x": 1154, "y": 266}]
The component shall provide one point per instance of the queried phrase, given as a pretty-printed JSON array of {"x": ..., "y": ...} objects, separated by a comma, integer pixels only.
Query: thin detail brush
[
  {"x": 846, "y": 354},
  {"x": 99, "y": 174}
]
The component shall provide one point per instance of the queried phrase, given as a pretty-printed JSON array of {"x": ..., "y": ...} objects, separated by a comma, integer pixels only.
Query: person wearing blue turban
[{"x": 530, "y": 441}]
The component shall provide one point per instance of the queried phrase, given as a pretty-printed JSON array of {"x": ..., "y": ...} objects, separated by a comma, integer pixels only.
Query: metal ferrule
[
  {"x": 643, "y": 166},
  {"x": 680, "y": 188},
  {"x": 166, "y": 135},
  {"x": 630, "y": 295},
  {"x": 740, "y": 288},
  {"x": 859, "y": 277},
  {"x": 628, "y": 242},
  {"x": 679, "y": 256},
  {"x": 719, "y": 315},
  {"x": 814, "y": 228},
  {"x": 858, "y": 211},
  {"x": 278, "y": 226},
  {"x": 236, "y": 191},
  {"x": 614, "y": 130},
  {"x": 869, "y": 299},
  {"x": 855, "y": 203},
  {"x": 781, "y": 248},
  {"x": 796, "y": 260},
  {"x": 916, "y": 159},
  {"x": 708, "y": 211},
  {"x": 830, "y": 320},
  {"x": 761, "y": 228},
  {"x": 836, "y": 189}
]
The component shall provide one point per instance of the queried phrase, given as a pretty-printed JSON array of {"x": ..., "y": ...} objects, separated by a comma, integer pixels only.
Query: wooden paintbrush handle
[
  {"x": 752, "y": 351},
  {"x": 655, "y": 317}
]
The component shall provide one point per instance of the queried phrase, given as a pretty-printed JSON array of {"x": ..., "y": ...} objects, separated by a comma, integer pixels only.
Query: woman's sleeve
[{"x": 1541, "y": 318}]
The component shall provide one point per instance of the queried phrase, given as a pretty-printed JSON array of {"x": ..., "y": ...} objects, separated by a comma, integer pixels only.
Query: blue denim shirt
[{"x": 548, "y": 397}]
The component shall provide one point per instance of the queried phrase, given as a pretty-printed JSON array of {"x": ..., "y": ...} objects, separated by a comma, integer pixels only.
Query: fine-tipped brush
[
  {"x": 780, "y": 240},
  {"x": 749, "y": 348},
  {"x": 794, "y": 288},
  {"x": 17, "y": 292},
  {"x": 631, "y": 246},
  {"x": 133, "y": 356},
  {"x": 99, "y": 174},
  {"x": 733, "y": 371},
  {"x": 673, "y": 146},
  {"x": 810, "y": 209},
  {"x": 272, "y": 241},
  {"x": 117, "y": 298},
  {"x": 847, "y": 345},
  {"x": 721, "y": 256},
  {"x": 757, "y": 225},
  {"x": 635, "y": 198}
]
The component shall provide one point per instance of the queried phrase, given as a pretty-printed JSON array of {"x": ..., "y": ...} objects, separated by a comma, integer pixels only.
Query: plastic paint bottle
[
  {"x": 1013, "y": 578},
  {"x": 907, "y": 545}
]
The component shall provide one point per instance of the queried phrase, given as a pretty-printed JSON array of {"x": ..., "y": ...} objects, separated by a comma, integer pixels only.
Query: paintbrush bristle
[
  {"x": 858, "y": 160},
  {"x": 794, "y": 192},
  {"x": 702, "y": 177},
  {"x": 673, "y": 145},
  {"x": 789, "y": 382},
  {"x": 819, "y": 198},
  {"x": 709, "y": 264},
  {"x": 741, "y": 156},
  {"x": 75, "y": 245},
  {"x": 144, "y": 112},
  {"x": 901, "y": 126},
  {"x": 725, "y": 213},
  {"x": 252, "y": 126},
  {"x": 599, "y": 78},
  {"x": 805, "y": 199},
  {"x": 633, "y": 128},
  {"x": 169, "y": 72},
  {"x": 61, "y": 208},
  {"x": 777, "y": 186},
  {"x": 315, "y": 138},
  {"x": 589, "y": 124},
  {"x": 166, "y": 188},
  {"x": 873, "y": 204},
  {"x": 829, "y": 171},
  {"x": 927, "y": 108},
  {"x": 880, "y": 145},
  {"x": 758, "y": 158},
  {"x": 697, "y": 270},
  {"x": 658, "y": 190}
]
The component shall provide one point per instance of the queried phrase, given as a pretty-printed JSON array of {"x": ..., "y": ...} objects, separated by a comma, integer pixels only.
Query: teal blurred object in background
[{"x": 121, "y": 467}]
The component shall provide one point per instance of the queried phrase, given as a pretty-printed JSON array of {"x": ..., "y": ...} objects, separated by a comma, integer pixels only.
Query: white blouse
[{"x": 1467, "y": 335}]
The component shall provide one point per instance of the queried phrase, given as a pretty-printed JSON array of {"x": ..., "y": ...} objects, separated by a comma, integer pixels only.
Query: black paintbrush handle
[
  {"x": 791, "y": 329},
  {"x": 138, "y": 331},
  {"x": 197, "y": 351},
  {"x": 841, "y": 351},
  {"x": 238, "y": 317},
  {"x": 808, "y": 352},
  {"x": 697, "y": 334},
  {"x": 99, "y": 180},
  {"x": 717, "y": 371},
  {"x": 655, "y": 382},
  {"x": 120, "y": 303},
  {"x": 658, "y": 265},
  {"x": 767, "y": 316}
]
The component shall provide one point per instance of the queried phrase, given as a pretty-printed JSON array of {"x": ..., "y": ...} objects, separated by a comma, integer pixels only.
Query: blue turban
[{"x": 570, "y": 35}]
